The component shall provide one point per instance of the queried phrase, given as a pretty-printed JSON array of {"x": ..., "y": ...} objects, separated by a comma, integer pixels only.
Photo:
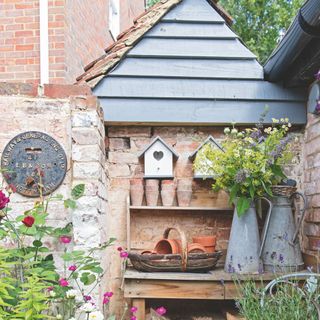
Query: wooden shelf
[{"x": 180, "y": 208}]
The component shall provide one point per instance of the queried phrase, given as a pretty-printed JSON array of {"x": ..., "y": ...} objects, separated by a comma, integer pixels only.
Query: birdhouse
[
  {"x": 158, "y": 159},
  {"x": 205, "y": 171}
]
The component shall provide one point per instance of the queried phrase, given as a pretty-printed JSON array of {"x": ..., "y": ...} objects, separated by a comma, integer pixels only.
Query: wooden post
[{"x": 140, "y": 304}]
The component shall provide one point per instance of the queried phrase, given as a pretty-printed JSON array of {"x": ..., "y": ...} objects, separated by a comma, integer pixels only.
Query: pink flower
[
  {"x": 28, "y": 221},
  {"x": 65, "y": 239},
  {"x": 161, "y": 311},
  {"x": 3, "y": 200},
  {"x": 124, "y": 254},
  {"x": 119, "y": 249},
  {"x": 133, "y": 309},
  {"x": 87, "y": 298},
  {"x": 72, "y": 268},
  {"x": 133, "y": 318},
  {"x": 63, "y": 282},
  {"x": 105, "y": 300},
  {"x": 50, "y": 289},
  {"x": 108, "y": 294}
]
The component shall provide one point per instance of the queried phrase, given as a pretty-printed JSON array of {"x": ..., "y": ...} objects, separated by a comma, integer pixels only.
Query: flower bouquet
[{"x": 251, "y": 162}]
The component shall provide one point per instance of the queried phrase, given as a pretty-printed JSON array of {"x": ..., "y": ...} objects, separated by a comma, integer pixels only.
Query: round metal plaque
[{"x": 32, "y": 161}]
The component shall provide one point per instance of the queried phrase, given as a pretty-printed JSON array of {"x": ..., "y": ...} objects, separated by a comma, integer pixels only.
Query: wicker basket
[
  {"x": 193, "y": 262},
  {"x": 283, "y": 191}
]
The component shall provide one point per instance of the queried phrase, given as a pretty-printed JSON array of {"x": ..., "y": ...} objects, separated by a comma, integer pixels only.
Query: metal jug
[
  {"x": 281, "y": 251},
  {"x": 244, "y": 248}
]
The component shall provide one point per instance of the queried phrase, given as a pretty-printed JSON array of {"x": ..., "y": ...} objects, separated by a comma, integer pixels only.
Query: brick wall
[
  {"x": 73, "y": 117},
  {"x": 312, "y": 184},
  {"x": 78, "y": 34}
]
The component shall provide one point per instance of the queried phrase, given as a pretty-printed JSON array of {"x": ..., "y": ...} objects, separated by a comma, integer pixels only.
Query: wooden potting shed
[{"x": 181, "y": 64}]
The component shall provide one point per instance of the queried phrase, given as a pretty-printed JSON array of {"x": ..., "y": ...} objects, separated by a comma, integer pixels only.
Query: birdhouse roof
[
  {"x": 153, "y": 142},
  {"x": 208, "y": 140}
]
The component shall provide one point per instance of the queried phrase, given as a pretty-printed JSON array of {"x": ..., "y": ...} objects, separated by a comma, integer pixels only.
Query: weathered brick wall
[
  {"x": 78, "y": 34},
  {"x": 73, "y": 117},
  {"x": 312, "y": 184}
]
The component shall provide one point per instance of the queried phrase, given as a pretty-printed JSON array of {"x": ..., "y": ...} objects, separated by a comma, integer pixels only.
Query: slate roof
[{"x": 98, "y": 68}]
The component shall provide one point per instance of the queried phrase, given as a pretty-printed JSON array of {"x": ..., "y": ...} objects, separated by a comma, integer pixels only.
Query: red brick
[
  {"x": 18, "y": 89},
  {"x": 65, "y": 91},
  {"x": 24, "y": 19},
  {"x": 27, "y": 33},
  {"x": 24, "y": 47},
  {"x": 14, "y": 27},
  {"x": 24, "y": 6}
]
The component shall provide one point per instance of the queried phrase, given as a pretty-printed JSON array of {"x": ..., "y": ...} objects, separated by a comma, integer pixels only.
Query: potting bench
[{"x": 214, "y": 285}]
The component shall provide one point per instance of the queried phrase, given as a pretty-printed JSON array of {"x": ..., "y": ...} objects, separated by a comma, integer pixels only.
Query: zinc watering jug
[
  {"x": 281, "y": 251},
  {"x": 245, "y": 248}
]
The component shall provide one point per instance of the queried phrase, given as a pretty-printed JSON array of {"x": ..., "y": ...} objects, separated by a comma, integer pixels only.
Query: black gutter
[{"x": 304, "y": 29}]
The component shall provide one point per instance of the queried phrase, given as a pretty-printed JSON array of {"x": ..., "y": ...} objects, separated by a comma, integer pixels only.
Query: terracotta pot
[
  {"x": 184, "y": 197},
  {"x": 168, "y": 246},
  {"x": 152, "y": 197},
  {"x": 167, "y": 192},
  {"x": 136, "y": 181},
  {"x": 209, "y": 242},
  {"x": 152, "y": 183},
  {"x": 196, "y": 248},
  {"x": 184, "y": 184},
  {"x": 136, "y": 194},
  {"x": 314, "y": 243}
]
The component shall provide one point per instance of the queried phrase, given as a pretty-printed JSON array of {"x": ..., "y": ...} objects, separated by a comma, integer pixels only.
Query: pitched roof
[
  {"x": 211, "y": 140},
  {"x": 98, "y": 68},
  {"x": 153, "y": 142}
]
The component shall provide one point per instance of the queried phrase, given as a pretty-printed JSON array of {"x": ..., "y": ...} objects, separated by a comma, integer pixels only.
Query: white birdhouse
[
  {"x": 158, "y": 159},
  {"x": 206, "y": 165}
]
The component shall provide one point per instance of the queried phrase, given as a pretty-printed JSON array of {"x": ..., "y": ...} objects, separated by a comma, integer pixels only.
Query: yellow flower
[{"x": 275, "y": 120}]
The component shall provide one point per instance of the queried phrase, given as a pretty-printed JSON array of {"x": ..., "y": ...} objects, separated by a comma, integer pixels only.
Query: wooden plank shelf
[{"x": 162, "y": 208}]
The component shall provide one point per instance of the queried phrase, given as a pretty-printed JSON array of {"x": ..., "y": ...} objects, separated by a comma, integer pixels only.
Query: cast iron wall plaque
[{"x": 32, "y": 159}]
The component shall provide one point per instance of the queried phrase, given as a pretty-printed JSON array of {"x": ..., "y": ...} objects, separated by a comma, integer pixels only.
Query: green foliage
[
  {"x": 152, "y": 2},
  {"x": 260, "y": 23},
  {"x": 27, "y": 266},
  {"x": 289, "y": 301},
  {"x": 250, "y": 164}
]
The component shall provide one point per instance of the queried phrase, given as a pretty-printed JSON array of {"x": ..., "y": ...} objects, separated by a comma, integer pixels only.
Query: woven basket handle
[{"x": 184, "y": 245}]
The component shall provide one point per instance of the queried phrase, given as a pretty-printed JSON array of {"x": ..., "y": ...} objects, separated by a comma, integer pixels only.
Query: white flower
[
  {"x": 59, "y": 316},
  {"x": 52, "y": 294},
  {"x": 227, "y": 130},
  {"x": 234, "y": 131},
  {"x": 96, "y": 315},
  {"x": 71, "y": 294},
  {"x": 312, "y": 283},
  {"x": 88, "y": 307},
  {"x": 72, "y": 318}
]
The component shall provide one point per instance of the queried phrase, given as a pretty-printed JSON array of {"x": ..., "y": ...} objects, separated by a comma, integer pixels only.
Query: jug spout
[{"x": 267, "y": 224}]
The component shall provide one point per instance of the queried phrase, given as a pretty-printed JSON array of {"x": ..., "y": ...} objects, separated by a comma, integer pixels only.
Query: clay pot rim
[
  {"x": 136, "y": 181},
  {"x": 167, "y": 182},
  {"x": 206, "y": 241},
  {"x": 196, "y": 246},
  {"x": 173, "y": 243}
]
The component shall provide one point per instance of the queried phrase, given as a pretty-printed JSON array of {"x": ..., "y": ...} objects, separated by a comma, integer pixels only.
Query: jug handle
[
  {"x": 300, "y": 216},
  {"x": 267, "y": 223}
]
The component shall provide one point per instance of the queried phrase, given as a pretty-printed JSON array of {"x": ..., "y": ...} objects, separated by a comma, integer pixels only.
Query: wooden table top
[{"x": 214, "y": 275}]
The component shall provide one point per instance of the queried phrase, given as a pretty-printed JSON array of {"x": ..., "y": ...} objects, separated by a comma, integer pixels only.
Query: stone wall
[
  {"x": 312, "y": 185},
  {"x": 73, "y": 117}
]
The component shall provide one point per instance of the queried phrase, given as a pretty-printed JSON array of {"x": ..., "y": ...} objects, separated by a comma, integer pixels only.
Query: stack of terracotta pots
[
  {"x": 136, "y": 191},
  {"x": 152, "y": 191},
  {"x": 168, "y": 192},
  {"x": 208, "y": 242},
  {"x": 184, "y": 192}
]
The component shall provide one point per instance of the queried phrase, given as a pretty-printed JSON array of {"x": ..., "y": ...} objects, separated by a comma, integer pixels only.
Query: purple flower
[
  {"x": 87, "y": 298},
  {"x": 124, "y": 254},
  {"x": 161, "y": 311},
  {"x": 273, "y": 255},
  {"x": 317, "y": 75},
  {"x": 281, "y": 258},
  {"x": 241, "y": 176},
  {"x": 317, "y": 108}
]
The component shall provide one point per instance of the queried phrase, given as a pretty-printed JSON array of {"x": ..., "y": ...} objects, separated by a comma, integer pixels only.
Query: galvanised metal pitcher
[
  {"x": 281, "y": 251},
  {"x": 245, "y": 247}
]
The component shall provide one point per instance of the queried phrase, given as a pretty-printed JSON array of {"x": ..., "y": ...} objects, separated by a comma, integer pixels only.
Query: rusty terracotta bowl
[
  {"x": 209, "y": 242},
  {"x": 196, "y": 248},
  {"x": 168, "y": 246}
]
